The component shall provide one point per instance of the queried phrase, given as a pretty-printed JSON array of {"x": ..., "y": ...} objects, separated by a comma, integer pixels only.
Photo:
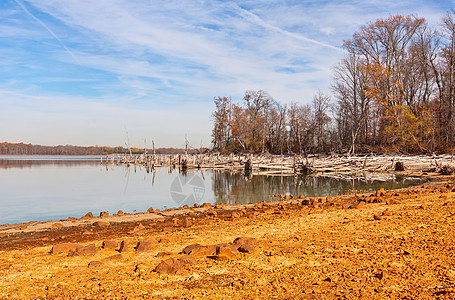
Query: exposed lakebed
[{"x": 38, "y": 188}]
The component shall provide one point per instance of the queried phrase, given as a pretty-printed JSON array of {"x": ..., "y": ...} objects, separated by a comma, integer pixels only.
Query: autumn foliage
[{"x": 394, "y": 91}]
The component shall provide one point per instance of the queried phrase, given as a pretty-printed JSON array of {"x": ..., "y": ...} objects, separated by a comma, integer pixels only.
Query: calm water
[{"x": 52, "y": 188}]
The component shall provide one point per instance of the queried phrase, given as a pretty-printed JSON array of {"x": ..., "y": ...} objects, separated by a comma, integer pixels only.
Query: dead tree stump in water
[
  {"x": 399, "y": 166},
  {"x": 248, "y": 166}
]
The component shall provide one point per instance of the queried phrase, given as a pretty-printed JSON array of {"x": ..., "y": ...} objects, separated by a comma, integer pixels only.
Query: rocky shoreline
[{"x": 381, "y": 244}]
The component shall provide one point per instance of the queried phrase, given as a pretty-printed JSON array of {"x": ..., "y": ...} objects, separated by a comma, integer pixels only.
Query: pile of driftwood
[{"x": 281, "y": 165}]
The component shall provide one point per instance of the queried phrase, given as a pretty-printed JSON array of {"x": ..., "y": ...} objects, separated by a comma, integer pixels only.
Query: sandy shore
[{"x": 397, "y": 244}]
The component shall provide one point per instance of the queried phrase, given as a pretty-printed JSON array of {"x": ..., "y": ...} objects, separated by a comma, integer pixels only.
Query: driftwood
[{"x": 278, "y": 164}]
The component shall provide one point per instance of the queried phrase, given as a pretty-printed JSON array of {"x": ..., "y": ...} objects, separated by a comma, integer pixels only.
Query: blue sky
[{"x": 84, "y": 72}]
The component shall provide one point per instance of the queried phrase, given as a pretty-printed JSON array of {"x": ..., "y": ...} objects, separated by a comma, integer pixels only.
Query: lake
[{"x": 40, "y": 188}]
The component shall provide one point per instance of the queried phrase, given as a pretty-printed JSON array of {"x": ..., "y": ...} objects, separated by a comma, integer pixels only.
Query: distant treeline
[
  {"x": 394, "y": 91},
  {"x": 29, "y": 149}
]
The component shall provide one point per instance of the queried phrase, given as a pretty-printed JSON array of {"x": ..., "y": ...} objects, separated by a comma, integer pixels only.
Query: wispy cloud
[
  {"x": 131, "y": 61},
  {"x": 47, "y": 28}
]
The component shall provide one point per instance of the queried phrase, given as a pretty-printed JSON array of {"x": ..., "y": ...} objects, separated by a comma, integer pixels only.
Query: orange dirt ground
[{"x": 397, "y": 244}]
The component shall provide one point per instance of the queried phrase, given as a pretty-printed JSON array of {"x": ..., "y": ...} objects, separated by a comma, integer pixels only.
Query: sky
[{"x": 105, "y": 72}]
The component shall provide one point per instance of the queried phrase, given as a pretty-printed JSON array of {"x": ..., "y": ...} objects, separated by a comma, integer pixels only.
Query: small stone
[
  {"x": 244, "y": 241},
  {"x": 223, "y": 253},
  {"x": 246, "y": 249},
  {"x": 56, "y": 225},
  {"x": 112, "y": 257},
  {"x": 377, "y": 217},
  {"x": 380, "y": 193},
  {"x": 164, "y": 239},
  {"x": 392, "y": 201},
  {"x": 110, "y": 245},
  {"x": 123, "y": 246},
  {"x": 206, "y": 205},
  {"x": 64, "y": 247},
  {"x": 200, "y": 252},
  {"x": 102, "y": 224},
  {"x": 139, "y": 229},
  {"x": 120, "y": 213},
  {"x": 188, "y": 249},
  {"x": 151, "y": 210},
  {"x": 211, "y": 212},
  {"x": 235, "y": 214},
  {"x": 144, "y": 246},
  {"x": 104, "y": 214},
  {"x": 169, "y": 266},
  {"x": 84, "y": 250},
  {"x": 268, "y": 211},
  {"x": 187, "y": 259},
  {"x": 88, "y": 215},
  {"x": 386, "y": 213},
  {"x": 185, "y": 222},
  {"x": 94, "y": 263}
]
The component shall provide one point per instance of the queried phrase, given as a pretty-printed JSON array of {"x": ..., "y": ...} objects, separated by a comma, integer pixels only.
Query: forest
[
  {"x": 392, "y": 92},
  {"x": 30, "y": 149}
]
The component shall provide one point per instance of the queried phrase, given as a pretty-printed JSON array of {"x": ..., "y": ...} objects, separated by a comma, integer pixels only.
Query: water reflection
[
  {"x": 55, "y": 189},
  {"x": 236, "y": 188}
]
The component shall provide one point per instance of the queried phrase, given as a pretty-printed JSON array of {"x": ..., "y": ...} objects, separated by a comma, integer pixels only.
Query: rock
[
  {"x": 169, "y": 266},
  {"x": 164, "y": 239},
  {"x": 104, "y": 214},
  {"x": 380, "y": 193},
  {"x": 23, "y": 227},
  {"x": 84, "y": 250},
  {"x": 377, "y": 217},
  {"x": 359, "y": 204},
  {"x": 224, "y": 252},
  {"x": 139, "y": 229},
  {"x": 206, "y": 205},
  {"x": 246, "y": 249},
  {"x": 189, "y": 248},
  {"x": 123, "y": 247},
  {"x": 196, "y": 205},
  {"x": 120, "y": 213},
  {"x": 244, "y": 241},
  {"x": 392, "y": 201},
  {"x": 235, "y": 215},
  {"x": 88, "y": 215},
  {"x": 200, "y": 252},
  {"x": 211, "y": 212},
  {"x": 56, "y": 225},
  {"x": 386, "y": 213},
  {"x": 268, "y": 211},
  {"x": 151, "y": 210},
  {"x": 143, "y": 246},
  {"x": 163, "y": 253},
  {"x": 187, "y": 259},
  {"x": 110, "y": 245},
  {"x": 185, "y": 222},
  {"x": 94, "y": 263},
  {"x": 102, "y": 224},
  {"x": 64, "y": 247},
  {"x": 112, "y": 257}
]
